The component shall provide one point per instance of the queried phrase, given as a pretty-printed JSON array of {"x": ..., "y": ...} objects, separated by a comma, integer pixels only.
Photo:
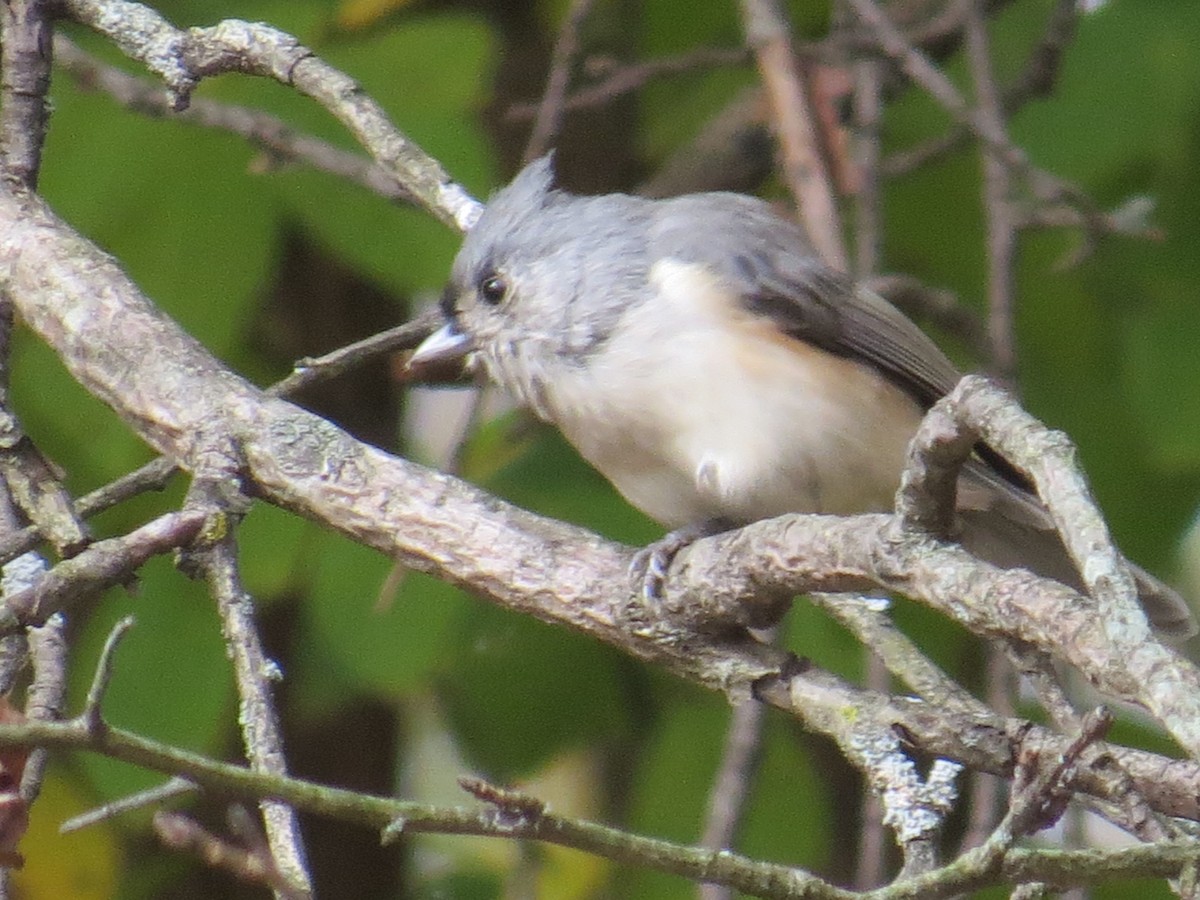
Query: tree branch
[
  {"x": 280, "y": 142},
  {"x": 182, "y": 58},
  {"x": 1063, "y": 868},
  {"x": 216, "y": 562},
  {"x": 804, "y": 161}
]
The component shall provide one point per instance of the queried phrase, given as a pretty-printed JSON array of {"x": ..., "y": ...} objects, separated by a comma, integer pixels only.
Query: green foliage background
[{"x": 1107, "y": 350}]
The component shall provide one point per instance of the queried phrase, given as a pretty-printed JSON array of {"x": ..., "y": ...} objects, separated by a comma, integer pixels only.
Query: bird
[{"x": 698, "y": 354}]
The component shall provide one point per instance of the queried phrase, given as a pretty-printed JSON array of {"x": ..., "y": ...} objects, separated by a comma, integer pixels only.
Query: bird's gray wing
[{"x": 763, "y": 258}]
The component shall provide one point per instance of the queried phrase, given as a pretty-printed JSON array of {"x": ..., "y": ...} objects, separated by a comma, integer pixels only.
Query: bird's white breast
[{"x": 697, "y": 408}]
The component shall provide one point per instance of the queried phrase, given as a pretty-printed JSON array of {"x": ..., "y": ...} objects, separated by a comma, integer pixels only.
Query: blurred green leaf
[
  {"x": 674, "y": 107},
  {"x": 82, "y": 865},
  {"x": 791, "y": 803},
  {"x": 1160, "y": 353},
  {"x": 272, "y": 546},
  {"x": 380, "y": 644},
  {"x": 671, "y": 779},
  {"x": 171, "y": 678},
  {"x": 519, "y": 693},
  {"x": 173, "y": 203}
]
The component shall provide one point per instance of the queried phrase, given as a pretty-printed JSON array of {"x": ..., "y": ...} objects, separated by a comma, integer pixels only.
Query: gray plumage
[{"x": 699, "y": 355}]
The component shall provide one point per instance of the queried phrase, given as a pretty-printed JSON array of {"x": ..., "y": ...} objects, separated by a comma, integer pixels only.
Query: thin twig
[
  {"x": 47, "y": 692},
  {"x": 868, "y": 200},
  {"x": 1037, "y": 669},
  {"x": 252, "y": 864},
  {"x": 253, "y": 673},
  {"x": 805, "y": 167},
  {"x": 864, "y": 617},
  {"x": 151, "y": 477},
  {"x": 91, "y": 715},
  {"x": 1038, "y": 796},
  {"x": 1040, "y": 73},
  {"x": 102, "y": 565},
  {"x": 172, "y": 787},
  {"x": 730, "y": 790},
  {"x": 757, "y": 878},
  {"x": 548, "y": 121},
  {"x": 184, "y": 57},
  {"x": 1035, "y": 80},
  {"x": 997, "y": 203},
  {"x": 515, "y": 818},
  {"x": 311, "y": 370},
  {"x": 917, "y": 66},
  {"x": 279, "y": 141},
  {"x": 625, "y": 78}
]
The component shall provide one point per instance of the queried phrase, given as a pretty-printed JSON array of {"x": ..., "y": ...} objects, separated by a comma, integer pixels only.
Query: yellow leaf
[
  {"x": 355, "y": 15},
  {"x": 82, "y": 865}
]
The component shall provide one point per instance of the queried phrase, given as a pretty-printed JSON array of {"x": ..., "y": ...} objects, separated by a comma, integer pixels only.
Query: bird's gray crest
[
  {"x": 531, "y": 191},
  {"x": 510, "y": 222},
  {"x": 533, "y": 185}
]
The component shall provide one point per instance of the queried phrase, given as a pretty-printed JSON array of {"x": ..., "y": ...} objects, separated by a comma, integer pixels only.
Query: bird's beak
[{"x": 446, "y": 344}]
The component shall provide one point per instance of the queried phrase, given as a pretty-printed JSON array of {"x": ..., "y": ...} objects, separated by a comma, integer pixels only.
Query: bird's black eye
[{"x": 492, "y": 288}]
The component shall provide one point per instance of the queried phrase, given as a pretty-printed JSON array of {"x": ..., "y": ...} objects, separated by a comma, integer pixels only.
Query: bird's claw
[{"x": 649, "y": 567}]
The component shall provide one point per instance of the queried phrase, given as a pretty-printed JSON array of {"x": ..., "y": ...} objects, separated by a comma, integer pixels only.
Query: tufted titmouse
[{"x": 698, "y": 354}]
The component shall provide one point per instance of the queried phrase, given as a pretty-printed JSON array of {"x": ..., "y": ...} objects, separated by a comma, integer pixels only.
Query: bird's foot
[{"x": 648, "y": 569}]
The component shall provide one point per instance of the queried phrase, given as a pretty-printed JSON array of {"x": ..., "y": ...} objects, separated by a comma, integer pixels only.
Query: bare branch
[
  {"x": 507, "y": 821},
  {"x": 760, "y": 879},
  {"x": 804, "y": 162},
  {"x": 249, "y": 864},
  {"x": 262, "y": 735},
  {"x": 154, "y": 475},
  {"x": 548, "y": 120},
  {"x": 102, "y": 565},
  {"x": 24, "y": 81},
  {"x": 180, "y": 400},
  {"x": 280, "y": 142},
  {"x": 182, "y": 58},
  {"x": 29, "y": 480},
  {"x": 998, "y": 207},
  {"x": 618, "y": 79},
  {"x": 90, "y": 717}
]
